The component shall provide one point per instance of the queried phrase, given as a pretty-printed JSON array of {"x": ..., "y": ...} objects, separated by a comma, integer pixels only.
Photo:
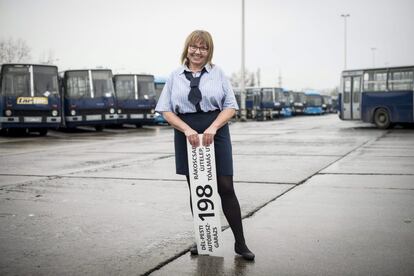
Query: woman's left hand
[{"x": 208, "y": 135}]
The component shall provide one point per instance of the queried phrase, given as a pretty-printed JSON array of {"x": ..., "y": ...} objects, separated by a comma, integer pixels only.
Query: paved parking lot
[{"x": 320, "y": 196}]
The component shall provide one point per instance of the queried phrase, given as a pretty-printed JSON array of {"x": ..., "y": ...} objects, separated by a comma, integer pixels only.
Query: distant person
[{"x": 206, "y": 113}]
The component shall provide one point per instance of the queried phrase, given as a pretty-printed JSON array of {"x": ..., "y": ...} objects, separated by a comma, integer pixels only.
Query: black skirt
[{"x": 222, "y": 143}]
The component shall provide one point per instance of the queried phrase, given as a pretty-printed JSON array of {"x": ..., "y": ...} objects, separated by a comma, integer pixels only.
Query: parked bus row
[
  {"x": 37, "y": 98},
  {"x": 383, "y": 96},
  {"x": 267, "y": 103}
]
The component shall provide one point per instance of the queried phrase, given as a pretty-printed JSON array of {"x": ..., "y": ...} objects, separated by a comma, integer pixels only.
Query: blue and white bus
[
  {"x": 313, "y": 103},
  {"x": 89, "y": 98},
  {"x": 135, "y": 99},
  {"x": 29, "y": 98},
  {"x": 383, "y": 96}
]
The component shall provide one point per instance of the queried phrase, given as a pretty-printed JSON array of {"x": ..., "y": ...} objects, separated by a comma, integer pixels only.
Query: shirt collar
[{"x": 184, "y": 67}]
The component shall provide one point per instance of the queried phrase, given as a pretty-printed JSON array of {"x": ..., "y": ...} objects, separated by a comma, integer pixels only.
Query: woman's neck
[{"x": 195, "y": 68}]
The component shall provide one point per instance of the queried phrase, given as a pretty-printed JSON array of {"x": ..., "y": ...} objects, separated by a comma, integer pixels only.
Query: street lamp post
[
  {"x": 242, "y": 77},
  {"x": 345, "y": 16},
  {"x": 373, "y": 49}
]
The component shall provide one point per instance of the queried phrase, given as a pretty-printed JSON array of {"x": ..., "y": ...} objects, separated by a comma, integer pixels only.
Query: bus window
[
  {"x": 375, "y": 81},
  {"x": 356, "y": 89},
  {"x": 16, "y": 82},
  {"x": 125, "y": 87},
  {"x": 45, "y": 81},
  {"x": 77, "y": 85},
  {"x": 146, "y": 88},
  {"x": 347, "y": 89},
  {"x": 267, "y": 95},
  {"x": 400, "y": 80},
  {"x": 102, "y": 84}
]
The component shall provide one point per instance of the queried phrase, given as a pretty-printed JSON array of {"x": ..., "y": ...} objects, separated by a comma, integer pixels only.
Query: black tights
[{"x": 230, "y": 204}]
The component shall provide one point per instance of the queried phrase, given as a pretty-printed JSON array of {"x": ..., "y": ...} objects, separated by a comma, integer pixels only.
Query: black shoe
[
  {"x": 244, "y": 251},
  {"x": 193, "y": 250}
]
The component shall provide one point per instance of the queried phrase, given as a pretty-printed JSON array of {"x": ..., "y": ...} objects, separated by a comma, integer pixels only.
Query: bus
[
  {"x": 299, "y": 103},
  {"x": 135, "y": 99},
  {"x": 29, "y": 98},
  {"x": 287, "y": 103},
  {"x": 383, "y": 96},
  {"x": 271, "y": 102},
  {"x": 88, "y": 98},
  {"x": 326, "y": 104},
  {"x": 313, "y": 103}
]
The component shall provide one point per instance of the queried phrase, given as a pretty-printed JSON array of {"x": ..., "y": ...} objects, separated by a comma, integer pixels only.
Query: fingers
[
  {"x": 207, "y": 139},
  {"x": 194, "y": 140}
]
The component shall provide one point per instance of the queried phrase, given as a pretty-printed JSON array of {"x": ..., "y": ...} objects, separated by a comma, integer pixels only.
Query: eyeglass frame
[{"x": 193, "y": 49}]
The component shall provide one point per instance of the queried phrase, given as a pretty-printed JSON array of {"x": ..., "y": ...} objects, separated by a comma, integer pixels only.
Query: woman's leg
[{"x": 231, "y": 206}]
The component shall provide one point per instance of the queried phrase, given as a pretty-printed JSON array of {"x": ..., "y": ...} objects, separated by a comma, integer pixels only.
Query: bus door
[
  {"x": 351, "y": 98},
  {"x": 356, "y": 98}
]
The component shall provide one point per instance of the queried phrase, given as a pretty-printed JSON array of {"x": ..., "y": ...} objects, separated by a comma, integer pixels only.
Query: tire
[
  {"x": 99, "y": 128},
  {"x": 42, "y": 131},
  {"x": 382, "y": 118}
]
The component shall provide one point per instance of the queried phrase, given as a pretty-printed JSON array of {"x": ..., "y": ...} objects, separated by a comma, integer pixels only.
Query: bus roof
[
  {"x": 379, "y": 68},
  {"x": 27, "y": 64}
]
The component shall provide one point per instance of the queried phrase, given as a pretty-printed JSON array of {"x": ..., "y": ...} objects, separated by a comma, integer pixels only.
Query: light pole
[
  {"x": 373, "y": 49},
  {"x": 345, "y": 16},
  {"x": 242, "y": 77}
]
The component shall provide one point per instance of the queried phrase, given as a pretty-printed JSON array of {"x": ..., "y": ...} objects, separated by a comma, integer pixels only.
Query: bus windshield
[
  {"x": 77, "y": 85},
  {"x": 314, "y": 100},
  {"x": 267, "y": 95},
  {"x": 124, "y": 87},
  {"x": 16, "y": 81},
  {"x": 45, "y": 81},
  {"x": 146, "y": 88},
  {"x": 102, "y": 84},
  {"x": 300, "y": 98}
]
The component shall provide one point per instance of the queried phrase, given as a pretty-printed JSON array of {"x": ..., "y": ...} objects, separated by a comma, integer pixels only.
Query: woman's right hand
[{"x": 192, "y": 137}]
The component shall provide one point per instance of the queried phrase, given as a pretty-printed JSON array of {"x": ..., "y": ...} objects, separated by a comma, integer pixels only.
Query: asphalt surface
[{"x": 319, "y": 196}]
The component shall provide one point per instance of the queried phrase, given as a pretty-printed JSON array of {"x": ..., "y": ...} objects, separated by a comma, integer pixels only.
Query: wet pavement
[{"x": 319, "y": 196}]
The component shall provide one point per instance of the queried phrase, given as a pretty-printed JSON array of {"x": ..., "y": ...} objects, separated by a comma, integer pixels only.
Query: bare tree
[
  {"x": 249, "y": 79},
  {"x": 14, "y": 51}
]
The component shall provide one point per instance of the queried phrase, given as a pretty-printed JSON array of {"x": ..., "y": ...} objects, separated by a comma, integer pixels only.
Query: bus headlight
[
  {"x": 8, "y": 112},
  {"x": 119, "y": 111},
  {"x": 73, "y": 112},
  {"x": 152, "y": 111},
  {"x": 112, "y": 111},
  {"x": 54, "y": 113}
]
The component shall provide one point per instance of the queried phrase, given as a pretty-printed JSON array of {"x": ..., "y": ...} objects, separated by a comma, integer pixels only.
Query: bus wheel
[
  {"x": 382, "y": 118},
  {"x": 98, "y": 128},
  {"x": 138, "y": 125},
  {"x": 43, "y": 131}
]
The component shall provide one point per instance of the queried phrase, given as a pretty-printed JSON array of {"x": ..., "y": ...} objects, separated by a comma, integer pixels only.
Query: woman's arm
[
  {"x": 180, "y": 125},
  {"x": 222, "y": 119}
]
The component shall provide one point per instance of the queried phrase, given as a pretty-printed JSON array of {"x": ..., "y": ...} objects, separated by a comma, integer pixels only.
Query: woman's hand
[
  {"x": 192, "y": 137},
  {"x": 208, "y": 135}
]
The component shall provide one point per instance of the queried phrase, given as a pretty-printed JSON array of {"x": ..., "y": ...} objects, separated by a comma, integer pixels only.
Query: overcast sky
[{"x": 303, "y": 40}]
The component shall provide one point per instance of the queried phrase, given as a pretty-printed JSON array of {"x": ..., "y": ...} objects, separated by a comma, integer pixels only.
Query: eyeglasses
[{"x": 194, "y": 48}]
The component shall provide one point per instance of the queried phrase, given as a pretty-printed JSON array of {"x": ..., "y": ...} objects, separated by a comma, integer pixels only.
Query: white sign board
[{"x": 205, "y": 199}]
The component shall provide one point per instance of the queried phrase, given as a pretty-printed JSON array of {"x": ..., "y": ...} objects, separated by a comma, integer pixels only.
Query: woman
[{"x": 198, "y": 98}]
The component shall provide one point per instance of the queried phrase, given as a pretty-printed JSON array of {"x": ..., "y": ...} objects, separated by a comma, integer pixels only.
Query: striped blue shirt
[{"x": 214, "y": 86}]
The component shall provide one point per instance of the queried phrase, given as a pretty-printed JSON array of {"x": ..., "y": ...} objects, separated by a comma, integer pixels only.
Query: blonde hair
[{"x": 198, "y": 36}]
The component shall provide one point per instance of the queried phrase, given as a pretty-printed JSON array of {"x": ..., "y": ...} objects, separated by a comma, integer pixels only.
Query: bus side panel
[{"x": 399, "y": 105}]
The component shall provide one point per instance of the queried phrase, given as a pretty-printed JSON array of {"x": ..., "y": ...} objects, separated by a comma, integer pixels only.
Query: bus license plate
[
  {"x": 205, "y": 199},
  {"x": 32, "y": 119}
]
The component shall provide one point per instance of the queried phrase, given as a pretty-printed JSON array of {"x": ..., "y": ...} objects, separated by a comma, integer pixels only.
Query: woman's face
[{"x": 197, "y": 54}]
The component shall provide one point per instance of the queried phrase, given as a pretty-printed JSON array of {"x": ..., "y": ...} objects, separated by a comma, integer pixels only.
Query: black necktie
[{"x": 195, "y": 94}]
